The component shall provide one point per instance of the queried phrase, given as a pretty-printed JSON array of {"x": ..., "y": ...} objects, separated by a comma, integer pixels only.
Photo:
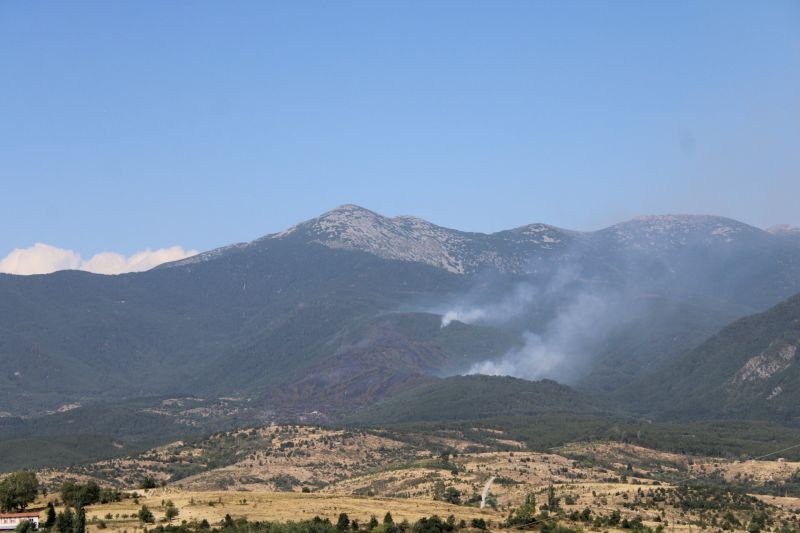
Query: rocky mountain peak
[
  {"x": 409, "y": 238},
  {"x": 669, "y": 231},
  {"x": 405, "y": 238}
]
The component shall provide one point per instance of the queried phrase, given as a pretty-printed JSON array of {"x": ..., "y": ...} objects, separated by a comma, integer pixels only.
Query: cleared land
[
  {"x": 290, "y": 472},
  {"x": 281, "y": 506}
]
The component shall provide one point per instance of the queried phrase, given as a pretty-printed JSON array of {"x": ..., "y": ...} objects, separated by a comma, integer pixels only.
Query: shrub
[{"x": 145, "y": 515}]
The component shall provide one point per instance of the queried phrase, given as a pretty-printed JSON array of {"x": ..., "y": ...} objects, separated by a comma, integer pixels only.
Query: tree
[
  {"x": 64, "y": 521},
  {"x": 109, "y": 495},
  {"x": 387, "y": 518},
  {"x": 146, "y": 515},
  {"x": 343, "y": 523},
  {"x": 478, "y": 523},
  {"x": 171, "y": 511},
  {"x": 525, "y": 514},
  {"x": 26, "y": 526},
  {"x": 452, "y": 495},
  {"x": 80, "y": 495},
  {"x": 438, "y": 490},
  {"x": 148, "y": 483},
  {"x": 18, "y": 490},
  {"x": 79, "y": 522},
  {"x": 434, "y": 524},
  {"x": 553, "y": 501},
  {"x": 51, "y": 516}
]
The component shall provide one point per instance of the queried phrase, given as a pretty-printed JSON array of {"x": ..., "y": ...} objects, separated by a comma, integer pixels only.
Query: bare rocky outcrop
[{"x": 776, "y": 358}]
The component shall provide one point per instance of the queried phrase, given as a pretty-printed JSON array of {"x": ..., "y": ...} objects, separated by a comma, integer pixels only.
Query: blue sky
[{"x": 133, "y": 125}]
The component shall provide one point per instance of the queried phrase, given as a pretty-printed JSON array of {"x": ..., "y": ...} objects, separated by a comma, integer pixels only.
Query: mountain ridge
[{"x": 411, "y": 238}]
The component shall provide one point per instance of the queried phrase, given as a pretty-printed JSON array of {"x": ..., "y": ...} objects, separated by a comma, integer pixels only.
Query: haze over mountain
[
  {"x": 351, "y": 308},
  {"x": 747, "y": 370}
]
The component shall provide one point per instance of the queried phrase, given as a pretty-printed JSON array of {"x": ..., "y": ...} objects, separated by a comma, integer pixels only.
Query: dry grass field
[
  {"x": 272, "y": 506},
  {"x": 645, "y": 460},
  {"x": 280, "y": 473}
]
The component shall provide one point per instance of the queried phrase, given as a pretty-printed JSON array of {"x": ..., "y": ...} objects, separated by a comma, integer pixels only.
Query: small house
[{"x": 10, "y": 521}]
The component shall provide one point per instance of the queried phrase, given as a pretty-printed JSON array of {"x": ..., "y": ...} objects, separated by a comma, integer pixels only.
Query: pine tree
[
  {"x": 51, "y": 516},
  {"x": 64, "y": 521},
  {"x": 79, "y": 522}
]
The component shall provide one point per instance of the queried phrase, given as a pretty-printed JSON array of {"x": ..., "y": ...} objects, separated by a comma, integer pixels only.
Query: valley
[
  {"x": 282, "y": 473},
  {"x": 629, "y": 378}
]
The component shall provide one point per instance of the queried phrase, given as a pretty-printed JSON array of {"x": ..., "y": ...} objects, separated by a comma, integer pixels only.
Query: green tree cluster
[
  {"x": 79, "y": 494},
  {"x": 17, "y": 491},
  {"x": 446, "y": 494},
  {"x": 68, "y": 521}
]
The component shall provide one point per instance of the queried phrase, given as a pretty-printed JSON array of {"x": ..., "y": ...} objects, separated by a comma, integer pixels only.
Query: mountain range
[{"x": 351, "y": 309}]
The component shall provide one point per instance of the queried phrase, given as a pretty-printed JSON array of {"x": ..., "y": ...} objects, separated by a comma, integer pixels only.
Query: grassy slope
[{"x": 472, "y": 398}]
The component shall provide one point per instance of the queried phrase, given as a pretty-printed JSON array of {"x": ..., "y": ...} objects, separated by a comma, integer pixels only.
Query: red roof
[{"x": 19, "y": 515}]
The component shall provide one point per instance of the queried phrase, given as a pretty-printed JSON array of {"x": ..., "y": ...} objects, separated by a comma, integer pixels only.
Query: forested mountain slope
[{"x": 346, "y": 309}]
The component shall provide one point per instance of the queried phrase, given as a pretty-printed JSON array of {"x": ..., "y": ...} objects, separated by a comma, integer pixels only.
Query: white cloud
[
  {"x": 114, "y": 263},
  {"x": 44, "y": 259},
  {"x": 39, "y": 259}
]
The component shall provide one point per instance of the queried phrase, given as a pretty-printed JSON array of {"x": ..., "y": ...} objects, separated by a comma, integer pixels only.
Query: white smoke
[
  {"x": 508, "y": 308},
  {"x": 563, "y": 348},
  {"x": 572, "y": 319},
  {"x": 471, "y": 309}
]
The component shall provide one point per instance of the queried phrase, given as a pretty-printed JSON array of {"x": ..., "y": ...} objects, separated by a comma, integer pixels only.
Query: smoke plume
[
  {"x": 509, "y": 307},
  {"x": 562, "y": 323},
  {"x": 564, "y": 348}
]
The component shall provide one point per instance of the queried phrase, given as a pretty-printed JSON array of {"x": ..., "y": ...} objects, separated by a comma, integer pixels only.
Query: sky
[{"x": 134, "y": 132}]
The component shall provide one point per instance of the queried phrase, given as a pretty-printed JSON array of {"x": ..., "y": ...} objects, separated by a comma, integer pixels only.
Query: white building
[{"x": 10, "y": 521}]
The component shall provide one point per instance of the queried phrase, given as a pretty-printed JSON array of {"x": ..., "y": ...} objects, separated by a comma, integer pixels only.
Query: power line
[{"x": 778, "y": 451}]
